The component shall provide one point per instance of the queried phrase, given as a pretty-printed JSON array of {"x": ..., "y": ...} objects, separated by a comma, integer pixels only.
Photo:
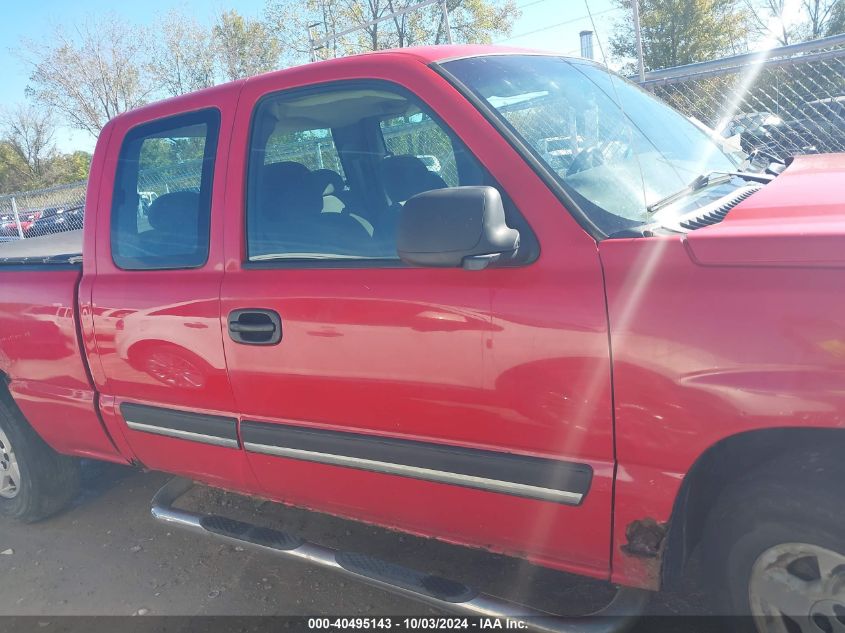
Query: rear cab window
[{"x": 161, "y": 208}]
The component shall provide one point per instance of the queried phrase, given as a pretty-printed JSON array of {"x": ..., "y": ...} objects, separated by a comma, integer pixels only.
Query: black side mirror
[{"x": 458, "y": 226}]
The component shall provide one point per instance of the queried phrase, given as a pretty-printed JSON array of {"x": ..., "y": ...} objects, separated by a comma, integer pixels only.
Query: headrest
[
  {"x": 405, "y": 176},
  {"x": 287, "y": 188},
  {"x": 284, "y": 170},
  {"x": 175, "y": 212},
  {"x": 329, "y": 181}
]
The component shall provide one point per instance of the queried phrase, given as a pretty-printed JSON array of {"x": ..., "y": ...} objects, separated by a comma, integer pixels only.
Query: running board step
[{"x": 619, "y": 615}]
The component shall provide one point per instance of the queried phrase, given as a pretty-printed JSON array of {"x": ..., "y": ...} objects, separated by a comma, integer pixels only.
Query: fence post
[{"x": 17, "y": 217}]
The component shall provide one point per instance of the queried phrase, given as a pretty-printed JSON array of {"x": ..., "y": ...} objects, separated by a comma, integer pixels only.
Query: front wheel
[
  {"x": 10, "y": 472},
  {"x": 775, "y": 550},
  {"x": 35, "y": 481},
  {"x": 801, "y": 581}
]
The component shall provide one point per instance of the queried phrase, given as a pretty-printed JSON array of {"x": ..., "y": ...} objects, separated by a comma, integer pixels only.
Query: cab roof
[{"x": 423, "y": 54}]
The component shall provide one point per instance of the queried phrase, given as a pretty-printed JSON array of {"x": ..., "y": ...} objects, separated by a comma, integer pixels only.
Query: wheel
[
  {"x": 35, "y": 480},
  {"x": 774, "y": 548}
]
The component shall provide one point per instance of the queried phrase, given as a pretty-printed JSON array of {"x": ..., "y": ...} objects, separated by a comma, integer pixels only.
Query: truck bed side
[{"x": 42, "y": 360}]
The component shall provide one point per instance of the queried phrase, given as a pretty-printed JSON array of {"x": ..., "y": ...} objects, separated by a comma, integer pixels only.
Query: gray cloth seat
[
  {"x": 404, "y": 176},
  {"x": 289, "y": 218},
  {"x": 332, "y": 187},
  {"x": 174, "y": 221}
]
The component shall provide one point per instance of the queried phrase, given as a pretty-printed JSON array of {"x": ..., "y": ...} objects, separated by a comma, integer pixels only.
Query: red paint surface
[
  {"x": 500, "y": 359},
  {"x": 41, "y": 357},
  {"x": 705, "y": 352},
  {"x": 736, "y": 327},
  {"x": 783, "y": 224}
]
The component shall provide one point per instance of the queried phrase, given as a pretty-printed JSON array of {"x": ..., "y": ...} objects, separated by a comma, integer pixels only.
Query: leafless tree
[
  {"x": 181, "y": 54},
  {"x": 89, "y": 73},
  {"x": 474, "y": 21},
  {"x": 28, "y": 131},
  {"x": 819, "y": 14},
  {"x": 767, "y": 18},
  {"x": 764, "y": 13}
]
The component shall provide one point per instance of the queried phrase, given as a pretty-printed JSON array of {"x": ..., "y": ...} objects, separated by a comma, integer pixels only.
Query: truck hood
[{"x": 798, "y": 219}]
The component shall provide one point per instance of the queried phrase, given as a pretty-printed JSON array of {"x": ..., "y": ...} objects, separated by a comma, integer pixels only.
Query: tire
[
  {"x": 35, "y": 481},
  {"x": 774, "y": 548}
]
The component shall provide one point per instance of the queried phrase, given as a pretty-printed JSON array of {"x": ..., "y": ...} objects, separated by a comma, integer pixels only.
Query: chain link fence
[
  {"x": 783, "y": 102},
  {"x": 42, "y": 212}
]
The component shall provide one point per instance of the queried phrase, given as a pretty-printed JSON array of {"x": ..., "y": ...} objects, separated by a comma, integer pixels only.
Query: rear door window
[{"x": 162, "y": 198}]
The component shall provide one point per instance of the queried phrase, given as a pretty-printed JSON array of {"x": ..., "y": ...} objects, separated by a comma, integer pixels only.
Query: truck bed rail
[{"x": 64, "y": 249}]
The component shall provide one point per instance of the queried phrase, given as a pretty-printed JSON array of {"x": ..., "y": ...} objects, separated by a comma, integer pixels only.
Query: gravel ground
[{"x": 107, "y": 556}]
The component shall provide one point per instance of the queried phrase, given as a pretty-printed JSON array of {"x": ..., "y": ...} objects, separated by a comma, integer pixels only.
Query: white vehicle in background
[
  {"x": 431, "y": 162},
  {"x": 558, "y": 151}
]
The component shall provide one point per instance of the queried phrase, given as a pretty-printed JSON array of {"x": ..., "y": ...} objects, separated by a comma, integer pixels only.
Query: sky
[{"x": 552, "y": 25}]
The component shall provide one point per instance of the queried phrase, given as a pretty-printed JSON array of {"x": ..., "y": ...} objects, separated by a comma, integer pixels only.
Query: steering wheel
[
  {"x": 598, "y": 154},
  {"x": 585, "y": 159}
]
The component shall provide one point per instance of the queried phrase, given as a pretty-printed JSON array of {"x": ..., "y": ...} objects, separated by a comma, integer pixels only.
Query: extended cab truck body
[{"x": 597, "y": 365}]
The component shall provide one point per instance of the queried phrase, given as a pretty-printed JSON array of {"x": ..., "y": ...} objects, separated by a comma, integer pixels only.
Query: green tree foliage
[
  {"x": 68, "y": 168},
  {"x": 13, "y": 170},
  {"x": 677, "y": 32},
  {"x": 246, "y": 46},
  {"x": 59, "y": 169},
  {"x": 28, "y": 157},
  {"x": 29, "y": 132},
  {"x": 836, "y": 23}
]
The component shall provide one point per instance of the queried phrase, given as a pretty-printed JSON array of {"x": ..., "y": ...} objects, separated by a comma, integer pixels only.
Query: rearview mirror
[{"x": 458, "y": 226}]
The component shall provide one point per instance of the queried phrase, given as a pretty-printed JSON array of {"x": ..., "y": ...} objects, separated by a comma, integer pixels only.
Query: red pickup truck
[{"x": 597, "y": 357}]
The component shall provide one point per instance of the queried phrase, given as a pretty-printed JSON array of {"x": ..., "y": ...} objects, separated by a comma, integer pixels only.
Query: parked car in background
[
  {"x": 755, "y": 130},
  {"x": 432, "y": 163},
  {"x": 58, "y": 220},
  {"x": 9, "y": 225},
  {"x": 815, "y": 127}
]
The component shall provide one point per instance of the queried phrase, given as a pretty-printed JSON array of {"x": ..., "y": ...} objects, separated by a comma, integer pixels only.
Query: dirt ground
[{"x": 107, "y": 556}]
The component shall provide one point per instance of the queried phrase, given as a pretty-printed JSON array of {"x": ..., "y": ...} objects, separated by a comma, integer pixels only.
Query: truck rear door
[
  {"x": 155, "y": 297},
  {"x": 469, "y": 405}
]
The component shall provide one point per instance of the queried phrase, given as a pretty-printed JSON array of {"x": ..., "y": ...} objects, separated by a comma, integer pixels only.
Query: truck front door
[{"x": 469, "y": 405}]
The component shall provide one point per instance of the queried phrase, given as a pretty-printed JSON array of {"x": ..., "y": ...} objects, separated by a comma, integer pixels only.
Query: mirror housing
[{"x": 458, "y": 226}]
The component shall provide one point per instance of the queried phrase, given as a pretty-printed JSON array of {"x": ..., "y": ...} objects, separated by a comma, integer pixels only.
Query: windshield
[{"x": 613, "y": 147}]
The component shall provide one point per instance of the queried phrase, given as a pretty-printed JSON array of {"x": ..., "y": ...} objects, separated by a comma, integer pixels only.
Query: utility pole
[
  {"x": 586, "y": 44},
  {"x": 636, "y": 7},
  {"x": 448, "y": 28},
  {"x": 312, "y": 50}
]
